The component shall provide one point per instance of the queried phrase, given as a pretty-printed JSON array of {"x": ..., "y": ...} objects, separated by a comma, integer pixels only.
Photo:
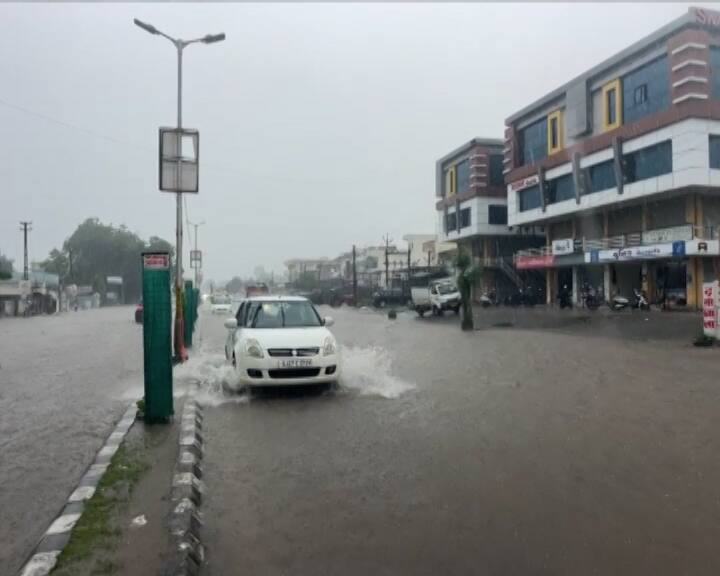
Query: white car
[
  {"x": 281, "y": 340},
  {"x": 221, "y": 305}
]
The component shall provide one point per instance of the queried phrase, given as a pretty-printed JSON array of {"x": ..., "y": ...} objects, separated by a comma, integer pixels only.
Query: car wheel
[
  {"x": 421, "y": 313},
  {"x": 457, "y": 310}
]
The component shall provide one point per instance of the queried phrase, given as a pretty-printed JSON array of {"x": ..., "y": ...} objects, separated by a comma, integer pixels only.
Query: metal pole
[
  {"x": 25, "y": 227},
  {"x": 196, "y": 263},
  {"x": 179, "y": 332},
  {"x": 355, "y": 302}
]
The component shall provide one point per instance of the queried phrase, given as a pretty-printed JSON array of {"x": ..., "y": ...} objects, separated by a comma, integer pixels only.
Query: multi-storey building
[
  {"x": 621, "y": 165},
  {"x": 472, "y": 210}
]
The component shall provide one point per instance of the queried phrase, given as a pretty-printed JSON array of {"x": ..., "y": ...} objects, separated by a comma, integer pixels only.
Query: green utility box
[
  {"x": 157, "y": 336},
  {"x": 188, "y": 310}
]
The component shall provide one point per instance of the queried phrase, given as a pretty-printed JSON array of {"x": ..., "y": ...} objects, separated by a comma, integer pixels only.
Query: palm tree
[{"x": 466, "y": 275}]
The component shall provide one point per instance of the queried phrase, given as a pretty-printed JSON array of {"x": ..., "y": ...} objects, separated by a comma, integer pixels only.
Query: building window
[
  {"x": 560, "y": 189},
  {"x": 529, "y": 198},
  {"x": 612, "y": 104},
  {"x": 496, "y": 170},
  {"x": 462, "y": 175},
  {"x": 714, "y": 72},
  {"x": 464, "y": 217},
  {"x": 714, "y": 151},
  {"x": 497, "y": 214},
  {"x": 554, "y": 132},
  {"x": 533, "y": 142},
  {"x": 600, "y": 177},
  {"x": 648, "y": 162},
  {"x": 450, "y": 182},
  {"x": 451, "y": 223},
  {"x": 646, "y": 90}
]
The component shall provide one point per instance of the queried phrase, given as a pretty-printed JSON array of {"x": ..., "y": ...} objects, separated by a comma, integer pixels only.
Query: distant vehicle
[
  {"x": 139, "y": 309},
  {"x": 281, "y": 340},
  {"x": 385, "y": 296},
  {"x": 260, "y": 289},
  {"x": 220, "y": 304},
  {"x": 439, "y": 296}
]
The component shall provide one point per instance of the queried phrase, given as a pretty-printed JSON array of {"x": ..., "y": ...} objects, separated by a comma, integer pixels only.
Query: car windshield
[
  {"x": 221, "y": 300},
  {"x": 293, "y": 314},
  {"x": 446, "y": 288}
]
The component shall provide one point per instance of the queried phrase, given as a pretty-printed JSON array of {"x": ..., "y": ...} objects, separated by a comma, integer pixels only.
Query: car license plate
[{"x": 295, "y": 363}]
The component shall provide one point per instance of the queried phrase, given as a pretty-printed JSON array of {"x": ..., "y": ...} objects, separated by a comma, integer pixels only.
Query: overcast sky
[{"x": 320, "y": 123}]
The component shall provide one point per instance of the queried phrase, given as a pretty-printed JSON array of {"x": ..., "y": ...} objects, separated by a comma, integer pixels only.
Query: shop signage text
[
  {"x": 564, "y": 246},
  {"x": 710, "y": 308},
  {"x": 635, "y": 253},
  {"x": 663, "y": 235},
  {"x": 544, "y": 261},
  {"x": 708, "y": 17},
  {"x": 524, "y": 183}
]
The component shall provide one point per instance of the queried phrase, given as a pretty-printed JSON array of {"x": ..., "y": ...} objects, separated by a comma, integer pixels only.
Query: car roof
[{"x": 278, "y": 298}]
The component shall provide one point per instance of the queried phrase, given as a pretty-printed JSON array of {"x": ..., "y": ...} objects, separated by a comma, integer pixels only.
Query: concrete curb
[
  {"x": 57, "y": 535},
  {"x": 186, "y": 495}
]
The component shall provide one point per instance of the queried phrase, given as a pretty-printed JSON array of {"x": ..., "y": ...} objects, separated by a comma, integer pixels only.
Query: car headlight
[
  {"x": 253, "y": 348},
  {"x": 329, "y": 346}
]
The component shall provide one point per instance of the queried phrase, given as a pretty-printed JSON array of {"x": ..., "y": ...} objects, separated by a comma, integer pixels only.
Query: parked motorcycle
[
  {"x": 641, "y": 301},
  {"x": 619, "y": 302},
  {"x": 488, "y": 299},
  {"x": 591, "y": 297}
]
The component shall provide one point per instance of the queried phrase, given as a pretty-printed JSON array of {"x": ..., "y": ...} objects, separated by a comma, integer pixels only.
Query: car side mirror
[
  {"x": 328, "y": 321},
  {"x": 231, "y": 323}
]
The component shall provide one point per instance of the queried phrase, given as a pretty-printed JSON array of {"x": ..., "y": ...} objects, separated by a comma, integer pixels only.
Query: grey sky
[{"x": 320, "y": 123}]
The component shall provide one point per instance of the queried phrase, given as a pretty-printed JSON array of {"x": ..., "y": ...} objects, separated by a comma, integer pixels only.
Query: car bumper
[
  {"x": 267, "y": 372},
  {"x": 450, "y": 305}
]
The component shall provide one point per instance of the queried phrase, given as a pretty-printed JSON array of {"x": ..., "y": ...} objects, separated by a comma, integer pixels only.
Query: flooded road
[
  {"x": 64, "y": 381},
  {"x": 499, "y": 452}
]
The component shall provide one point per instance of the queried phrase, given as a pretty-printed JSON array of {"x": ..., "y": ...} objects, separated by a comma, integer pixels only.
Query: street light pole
[
  {"x": 196, "y": 226},
  {"x": 180, "y": 46}
]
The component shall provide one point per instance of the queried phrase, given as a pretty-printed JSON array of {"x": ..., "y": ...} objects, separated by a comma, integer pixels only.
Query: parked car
[
  {"x": 438, "y": 296},
  {"x": 139, "y": 312},
  {"x": 281, "y": 340},
  {"x": 385, "y": 296}
]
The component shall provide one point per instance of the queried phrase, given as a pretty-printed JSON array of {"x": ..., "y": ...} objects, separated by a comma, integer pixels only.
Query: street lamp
[
  {"x": 196, "y": 263},
  {"x": 180, "y": 46}
]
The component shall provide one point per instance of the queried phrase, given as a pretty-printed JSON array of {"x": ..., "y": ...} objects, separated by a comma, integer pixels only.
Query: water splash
[
  {"x": 369, "y": 371},
  {"x": 215, "y": 377}
]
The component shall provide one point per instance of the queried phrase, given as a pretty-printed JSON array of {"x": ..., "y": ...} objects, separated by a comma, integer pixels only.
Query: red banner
[{"x": 524, "y": 262}]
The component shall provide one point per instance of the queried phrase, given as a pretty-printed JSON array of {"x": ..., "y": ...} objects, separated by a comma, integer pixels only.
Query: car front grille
[
  {"x": 299, "y": 352},
  {"x": 286, "y": 373}
]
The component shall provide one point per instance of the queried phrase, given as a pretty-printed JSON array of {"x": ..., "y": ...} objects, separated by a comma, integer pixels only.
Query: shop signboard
[
  {"x": 563, "y": 246},
  {"x": 541, "y": 261},
  {"x": 699, "y": 247},
  {"x": 636, "y": 253},
  {"x": 570, "y": 260},
  {"x": 663, "y": 235},
  {"x": 710, "y": 308},
  {"x": 524, "y": 183}
]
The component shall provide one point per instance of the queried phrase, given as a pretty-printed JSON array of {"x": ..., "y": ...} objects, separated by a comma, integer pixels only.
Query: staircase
[{"x": 510, "y": 272}]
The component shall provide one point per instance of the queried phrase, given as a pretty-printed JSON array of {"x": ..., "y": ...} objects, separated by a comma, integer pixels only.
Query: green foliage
[
  {"x": 96, "y": 250},
  {"x": 467, "y": 274},
  {"x": 235, "y": 285},
  {"x": 6, "y": 267}
]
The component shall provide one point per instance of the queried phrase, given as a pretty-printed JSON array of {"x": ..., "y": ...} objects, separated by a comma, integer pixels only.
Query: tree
[
  {"x": 235, "y": 285},
  {"x": 6, "y": 267},
  {"x": 96, "y": 250},
  {"x": 466, "y": 276}
]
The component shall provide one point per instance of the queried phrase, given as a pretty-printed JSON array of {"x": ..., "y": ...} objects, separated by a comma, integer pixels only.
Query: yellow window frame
[
  {"x": 558, "y": 117},
  {"x": 450, "y": 181},
  {"x": 614, "y": 85}
]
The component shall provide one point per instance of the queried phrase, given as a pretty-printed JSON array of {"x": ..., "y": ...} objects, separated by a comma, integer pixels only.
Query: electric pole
[
  {"x": 387, "y": 262},
  {"x": 355, "y": 302},
  {"x": 25, "y": 227}
]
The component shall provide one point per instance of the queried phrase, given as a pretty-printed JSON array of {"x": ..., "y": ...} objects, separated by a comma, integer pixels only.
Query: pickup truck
[{"x": 438, "y": 296}]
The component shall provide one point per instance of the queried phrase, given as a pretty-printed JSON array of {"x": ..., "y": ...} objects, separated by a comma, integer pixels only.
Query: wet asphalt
[
  {"x": 64, "y": 381},
  {"x": 502, "y": 451}
]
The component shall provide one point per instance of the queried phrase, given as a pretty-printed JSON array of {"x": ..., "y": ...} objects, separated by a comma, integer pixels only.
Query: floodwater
[
  {"x": 64, "y": 381},
  {"x": 501, "y": 451}
]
